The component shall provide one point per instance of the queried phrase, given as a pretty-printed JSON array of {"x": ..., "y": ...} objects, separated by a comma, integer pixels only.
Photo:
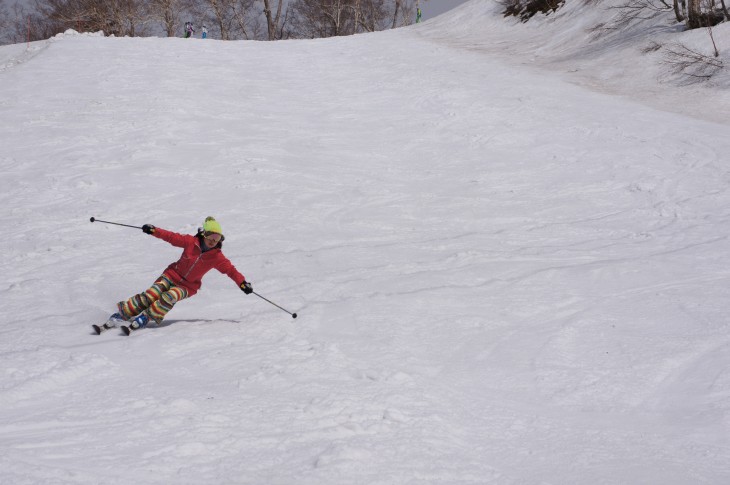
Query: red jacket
[{"x": 188, "y": 271}]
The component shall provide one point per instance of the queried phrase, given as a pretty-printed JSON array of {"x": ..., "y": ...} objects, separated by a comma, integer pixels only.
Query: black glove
[
  {"x": 246, "y": 287},
  {"x": 148, "y": 229}
]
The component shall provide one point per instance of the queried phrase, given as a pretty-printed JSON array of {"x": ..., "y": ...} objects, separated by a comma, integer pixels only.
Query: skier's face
[{"x": 212, "y": 239}]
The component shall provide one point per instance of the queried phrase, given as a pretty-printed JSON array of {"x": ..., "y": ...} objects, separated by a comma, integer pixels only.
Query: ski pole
[
  {"x": 93, "y": 219},
  {"x": 293, "y": 315}
]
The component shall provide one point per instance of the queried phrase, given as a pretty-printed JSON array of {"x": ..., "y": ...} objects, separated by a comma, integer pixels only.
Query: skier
[
  {"x": 181, "y": 279},
  {"x": 189, "y": 30},
  {"x": 205, "y": 32}
]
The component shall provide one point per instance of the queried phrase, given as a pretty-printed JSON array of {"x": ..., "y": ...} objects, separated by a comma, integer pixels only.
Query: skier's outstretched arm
[
  {"x": 227, "y": 268},
  {"x": 177, "y": 240}
]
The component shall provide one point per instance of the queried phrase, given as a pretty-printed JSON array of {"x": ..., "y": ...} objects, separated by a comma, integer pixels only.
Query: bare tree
[
  {"x": 21, "y": 22},
  {"x": 691, "y": 65},
  {"x": 704, "y": 13},
  {"x": 218, "y": 13},
  {"x": 241, "y": 19},
  {"x": 245, "y": 20},
  {"x": 318, "y": 18},
  {"x": 373, "y": 16},
  {"x": 526, "y": 9},
  {"x": 403, "y": 12},
  {"x": 114, "y": 17},
  {"x": 168, "y": 13},
  {"x": 4, "y": 22},
  {"x": 68, "y": 15},
  {"x": 694, "y": 14},
  {"x": 329, "y": 18},
  {"x": 632, "y": 10},
  {"x": 396, "y": 11},
  {"x": 725, "y": 10},
  {"x": 679, "y": 13},
  {"x": 272, "y": 20},
  {"x": 128, "y": 16}
]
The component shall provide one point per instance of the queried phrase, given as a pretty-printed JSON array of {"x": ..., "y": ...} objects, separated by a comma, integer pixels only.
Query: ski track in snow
[{"x": 500, "y": 277}]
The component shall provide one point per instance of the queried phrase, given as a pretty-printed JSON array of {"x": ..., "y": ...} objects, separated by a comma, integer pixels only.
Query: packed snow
[{"x": 508, "y": 257}]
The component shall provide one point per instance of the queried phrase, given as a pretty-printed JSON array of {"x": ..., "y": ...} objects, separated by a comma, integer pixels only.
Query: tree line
[
  {"x": 694, "y": 13},
  {"x": 225, "y": 19}
]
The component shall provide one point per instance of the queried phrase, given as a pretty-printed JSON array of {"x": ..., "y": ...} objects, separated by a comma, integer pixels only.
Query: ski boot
[
  {"x": 111, "y": 322},
  {"x": 140, "y": 321}
]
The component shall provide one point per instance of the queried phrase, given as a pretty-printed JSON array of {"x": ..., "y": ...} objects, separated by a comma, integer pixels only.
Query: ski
[
  {"x": 128, "y": 329},
  {"x": 109, "y": 324}
]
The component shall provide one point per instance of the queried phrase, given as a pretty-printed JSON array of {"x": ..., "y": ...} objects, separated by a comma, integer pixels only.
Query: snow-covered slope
[
  {"x": 501, "y": 277},
  {"x": 629, "y": 60}
]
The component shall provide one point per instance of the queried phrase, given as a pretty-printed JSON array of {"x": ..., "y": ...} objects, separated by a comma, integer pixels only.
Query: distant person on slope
[
  {"x": 189, "y": 30},
  {"x": 205, "y": 32},
  {"x": 182, "y": 279}
]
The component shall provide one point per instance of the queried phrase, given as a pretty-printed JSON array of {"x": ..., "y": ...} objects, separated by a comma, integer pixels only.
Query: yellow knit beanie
[{"x": 211, "y": 225}]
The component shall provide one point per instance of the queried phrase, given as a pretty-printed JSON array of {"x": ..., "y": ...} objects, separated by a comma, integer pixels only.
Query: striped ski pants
[{"x": 156, "y": 301}]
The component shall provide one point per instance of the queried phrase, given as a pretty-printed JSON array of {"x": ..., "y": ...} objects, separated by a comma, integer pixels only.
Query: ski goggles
[{"x": 213, "y": 237}]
